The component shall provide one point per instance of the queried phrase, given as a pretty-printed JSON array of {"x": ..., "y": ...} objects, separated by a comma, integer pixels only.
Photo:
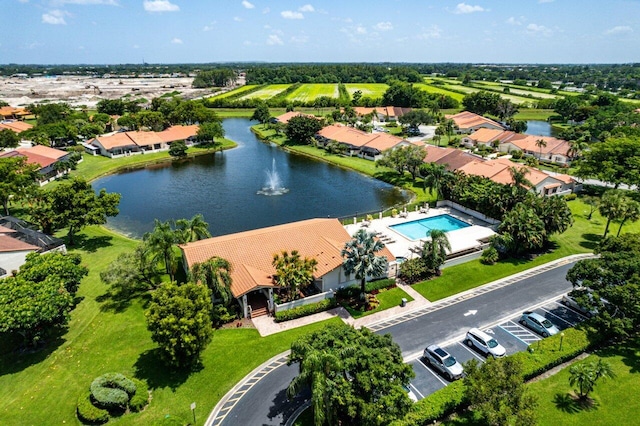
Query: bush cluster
[
  {"x": 542, "y": 357},
  {"x": 141, "y": 398},
  {"x": 303, "y": 311},
  {"x": 370, "y": 287},
  {"x": 570, "y": 197},
  {"x": 112, "y": 390},
  {"x": 89, "y": 413}
]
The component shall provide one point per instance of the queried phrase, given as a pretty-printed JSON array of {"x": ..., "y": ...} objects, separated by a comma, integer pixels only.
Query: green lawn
[
  {"x": 580, "y": 238},
  {"x": 439, "y": 90},
  {"x": 239, "y": 90},
  {"x": 266, "y": 92},
  {"x": 309, "y": 92},
  {"x": 42, "y": 388},
  {"x": 613, "y": 399},
  {"x": 533, "y": 114},
  {"x": 388, "y": 299},
  {"x": 371, "y": 90}
]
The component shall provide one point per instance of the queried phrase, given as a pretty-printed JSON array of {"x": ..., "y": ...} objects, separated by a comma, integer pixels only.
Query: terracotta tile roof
[
  {"x": 16, "y": 126},
  {"x": 358, "y": 138},
  {"x": 484, "y": 135},
  {"x": 144, "y": 138},
  {"x": 43, "y": 151},
  {"x": 178, "y": 133},
  {"x": 554, "y": 145},
  {"x": 9, "y": 244},
  {"x": 564, "y": 178},
  {"x": 284, "y": 118},
  {"x": 5, "y": 230},
  {"x": 389, "y": 111},
  {"x": 251, "y": 252},
  {"x": 383, "y": 141},
  {"x": 9, "y": 111},
  {"x": 116, "y": 140},
  {"x": 466, "y": 120}
]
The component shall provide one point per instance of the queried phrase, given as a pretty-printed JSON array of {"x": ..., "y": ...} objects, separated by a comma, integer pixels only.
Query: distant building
[
  {"x": 45, "y": 157},
  {"x": 388, "y": 113},
  {"x": 136, "y": 142},
  {"x": 469, "y": 122},
  {"x": 358, "y": 143},
  {"x": 16, "y": 126}
]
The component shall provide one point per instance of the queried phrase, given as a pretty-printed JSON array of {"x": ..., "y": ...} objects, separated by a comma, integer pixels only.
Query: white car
[
  {"x": 444, "y": 362},
  {"x": 484, "y": 343}
]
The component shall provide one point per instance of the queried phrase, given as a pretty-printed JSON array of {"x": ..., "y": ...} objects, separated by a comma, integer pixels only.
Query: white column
[{"x": 245, "y": 308}]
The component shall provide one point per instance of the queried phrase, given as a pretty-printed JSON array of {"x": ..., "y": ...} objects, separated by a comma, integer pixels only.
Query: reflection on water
[{"x": 223, "y": 187}]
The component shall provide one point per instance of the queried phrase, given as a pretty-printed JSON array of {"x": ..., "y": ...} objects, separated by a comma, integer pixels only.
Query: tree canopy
[
  {"x": 356, "y": 376},
  {"x": 615, "y": 161},
  {"x": 300, "y": 129},
  {"x": 18, "y": 179}
]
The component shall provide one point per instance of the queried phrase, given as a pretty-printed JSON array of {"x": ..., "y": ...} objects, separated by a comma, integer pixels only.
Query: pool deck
[{"x": 400, "y": 246}]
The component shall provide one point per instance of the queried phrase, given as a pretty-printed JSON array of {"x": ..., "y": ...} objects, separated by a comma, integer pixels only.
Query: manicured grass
[
  {"x": 42, "y": 387},
  {"x": 239, "y": 90},
  {"x": 266, "y": 92},
  {"x": 95, "y": 166},
  {"x": 233, "y": 112},
  {"x": 582, "y": 237},
  {"x": 613, "y": 398},
  {"x": 533, "y": 114},
  {"x": 515, "y": 90},
  {"x": 439, "y": 90},
  {"x": 370, "y": 90},
  {"x": 388, "y": 299},
  {"x": 309, "y": 92}
]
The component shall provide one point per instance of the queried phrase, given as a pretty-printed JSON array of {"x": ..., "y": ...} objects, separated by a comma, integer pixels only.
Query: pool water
[{"x": 421, "y": 228}]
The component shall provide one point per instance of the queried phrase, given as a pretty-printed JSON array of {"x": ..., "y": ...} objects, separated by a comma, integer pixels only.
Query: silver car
[
  {"x": 484, "y": 343},
  {"x": 538, "y": 323},
  {"x": 444, "y": 362}
]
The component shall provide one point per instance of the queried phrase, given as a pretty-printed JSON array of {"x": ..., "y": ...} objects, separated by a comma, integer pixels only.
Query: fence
[
  {"x": 305, "y": 301},
  {"x": 468, "y": 211}
]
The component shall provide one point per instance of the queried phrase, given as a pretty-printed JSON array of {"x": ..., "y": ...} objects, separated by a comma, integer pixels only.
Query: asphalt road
[{"x": 265, "y": 402}]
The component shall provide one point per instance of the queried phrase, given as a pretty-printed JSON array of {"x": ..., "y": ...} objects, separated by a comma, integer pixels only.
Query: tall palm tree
[
  {"x": 612, "y": 207},
  {"x": 292, "y": 271},
  {"x": 215, "y": 273},
  {"x": 438, "y": 134},
  {"x": 434, "y": 250},
  {"x": 359, "y": 257},
  {"x": 193, "y": 229},
  {"x": 435, "y": 176},
  {"x": 630, "y": 212},
  {"x": 161, "y": 241},
  {"x": 519, "y": 179},
  {"x": 585, "y": 375},
  {"x": 541, "y": 143},
  {"x": 449, "y": 128}
]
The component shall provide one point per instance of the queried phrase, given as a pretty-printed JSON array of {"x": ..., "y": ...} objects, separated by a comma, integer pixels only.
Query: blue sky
[{"x": 178, "y": 31}]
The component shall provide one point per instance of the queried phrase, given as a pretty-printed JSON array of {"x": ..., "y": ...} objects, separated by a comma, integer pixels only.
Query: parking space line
[
  {"x": 436, "y": 375},
  {"x": 560, "y": 318},
  {"x": 516, "y": 336},
  {"x": 570, "y": 309},
  {"x": 471, "y": 350},
  {"x": 416, "y": 391}
]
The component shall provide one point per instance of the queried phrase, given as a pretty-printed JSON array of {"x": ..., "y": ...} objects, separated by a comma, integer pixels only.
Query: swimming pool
[{"x": 417, "y": 229}]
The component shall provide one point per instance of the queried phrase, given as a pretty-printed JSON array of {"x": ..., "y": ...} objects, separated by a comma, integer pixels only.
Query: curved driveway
[{"x": 260, "y": 399}]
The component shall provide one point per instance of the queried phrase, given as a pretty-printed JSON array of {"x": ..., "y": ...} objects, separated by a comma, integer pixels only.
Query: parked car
[
  {"x": 484, "y": 343},
  {"x": 539, "y": 324},
  {"x": 574, "y": 298},
  {"x": 444, "y": 362}
]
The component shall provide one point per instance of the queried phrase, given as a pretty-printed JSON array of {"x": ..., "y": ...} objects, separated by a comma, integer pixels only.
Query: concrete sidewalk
[{"x": 266, "y": 325}]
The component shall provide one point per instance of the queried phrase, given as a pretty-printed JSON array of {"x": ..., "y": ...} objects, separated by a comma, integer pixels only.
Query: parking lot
[{"x": 509, "y": 333}]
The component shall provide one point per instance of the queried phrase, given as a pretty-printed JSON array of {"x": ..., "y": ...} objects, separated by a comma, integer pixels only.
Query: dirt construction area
[{"x": 88, "y": 91}]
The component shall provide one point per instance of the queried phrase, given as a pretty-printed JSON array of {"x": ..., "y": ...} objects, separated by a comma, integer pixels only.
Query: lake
[
  {"x": 540, "y": 128},
  {"x": 224, "y": 188}
]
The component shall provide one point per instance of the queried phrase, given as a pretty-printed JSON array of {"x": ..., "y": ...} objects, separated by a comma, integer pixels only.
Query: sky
[{"x": 419, "y": 31}]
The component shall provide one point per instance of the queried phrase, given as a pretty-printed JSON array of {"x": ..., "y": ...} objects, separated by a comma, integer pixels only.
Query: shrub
[
  {"x": 220, "y": 315},
  {"x": 435, "y": 406},
  {"x": 89, "y": 413},
  {"x": 490, "y": 256},
  {"x": 570, "y": 197},
  {"x": 369, "y": 287},
  {"x": 516, "y": 155},
  {"x": 141, "y": 397},
  {"x": 413, "y": 270},
  {"x": 112, "y": 390},
  {"x": 303, "y": 311}
]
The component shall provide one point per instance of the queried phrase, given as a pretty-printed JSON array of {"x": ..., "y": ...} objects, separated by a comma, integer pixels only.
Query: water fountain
[{"x": 273, "y": 184}]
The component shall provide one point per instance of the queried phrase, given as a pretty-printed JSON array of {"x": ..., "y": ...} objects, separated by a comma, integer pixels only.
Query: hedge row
[
  {"x": 541, "y": 357},
  {"x": 89, "y": 413},
  {"x": 303, "y": 311},
  {"x": 369, "y": 287}
]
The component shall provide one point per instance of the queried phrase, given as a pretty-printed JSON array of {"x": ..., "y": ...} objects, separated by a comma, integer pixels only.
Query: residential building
[
  {"x": 469, "y": 122},
  {"x": 388, "y": 113},
  {"x": 553, "y": 150},
  {"x": 284, "y": 118},
  {"x": 45, "y": 157},
  {"x": 250, "y": 254},
  {"x": 358, "y": 143},
  {"x": 11, "y": 113},
  {"x": 490, "y": 137},
  {"x": 16, "y": 126},
  {"x": 138, "y": 142}
]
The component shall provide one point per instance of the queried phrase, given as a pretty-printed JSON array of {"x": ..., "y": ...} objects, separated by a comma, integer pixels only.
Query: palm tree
[
  {"x": 435, "y": 176},
  {"x": 320, "y": 370},
  {"x": 215, "y": 273},
  {"x": 585, "y": 375},
  {"x": 519, "y": 178},
  {"x": 193, "y": 229},
  {"x": 161, "y": 241},
  {"x": 439, "y": 133},
  {"x": 293, "y": 272},
  {"x": 541, "y": 143},
  {"x": 434, "y": 251},
  {"x": 359, "y": 257},
  {"x": 630, "y": 212},
  {"x": 612, "y": 207},
  {"x": 449, "y": 128}
]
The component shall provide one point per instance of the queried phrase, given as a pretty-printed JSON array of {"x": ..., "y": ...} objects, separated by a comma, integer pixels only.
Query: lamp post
[
  {"x": 561, "y": 339},
  {"x": 193, "y": 410}
]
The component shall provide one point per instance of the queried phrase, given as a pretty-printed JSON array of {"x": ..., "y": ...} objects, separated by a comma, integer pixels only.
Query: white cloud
[
  {"x": 289, "y": 14},
  {"x": 247, "y": 5},
  {"x": 267, "y": 27},
  {"x": 176, "y": 40},
  {"x": 306, "y": 8},
  {"x": 136, "y": 46},
  {"x": 383, "y": 26},
  {"x": 237, "y": 19},
  {"x": 467, "y": 8},
  {"x": 620, "y": 29},
  {"x": 545, "y": 1},
  {"x": 273, "y": 40},
  {"x": 300, "y": 39},
  {"x": 84, "y": 2},
  {"x": 209, "y": 27},
  {"x": 361, "y": 30},
  {"x": 160, "y": 6},
  {"x": 430, "y": 33},
  {"x": 55, "y": 17},
  {"x": 515, "y": 21},
  {"x": 538, "y": 29}
]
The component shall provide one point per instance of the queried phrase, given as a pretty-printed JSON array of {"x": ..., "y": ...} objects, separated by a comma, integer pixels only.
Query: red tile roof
[
  {"x": 251, "y": 253},
  {"x": 467, "y": 120},
  {"x": 358, "y": 138},
  {"x": 115, "y": 141},
  {"x": 16, "y": 126},
  {"x": 178, "y": 133},
  {"x": 9, "y": 244},
  {"x": 284, "y": 118}
]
